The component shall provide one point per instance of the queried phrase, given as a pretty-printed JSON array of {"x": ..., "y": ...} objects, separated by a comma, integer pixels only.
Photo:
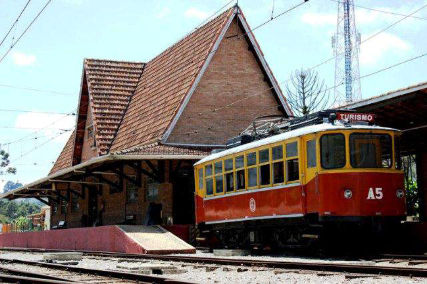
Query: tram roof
[{"x": 291, "y": 134}]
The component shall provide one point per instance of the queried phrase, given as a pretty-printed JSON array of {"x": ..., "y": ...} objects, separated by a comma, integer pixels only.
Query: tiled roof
[
  {"x": 165, "y": 82},
  {"x": 111, "y": 85},
  {"x": 159, "y": 149},
  {"x": 66, "y": 156}
]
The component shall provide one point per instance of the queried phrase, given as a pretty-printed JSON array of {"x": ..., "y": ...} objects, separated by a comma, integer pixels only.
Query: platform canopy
[
  {"x": 404, "y": 109},
  {"x": 98, "y": 171}
]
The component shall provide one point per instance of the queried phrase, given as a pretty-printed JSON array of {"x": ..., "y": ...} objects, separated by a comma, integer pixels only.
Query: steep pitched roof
[
  {"x": 111, "y": 85},
  {"x": 136, "y": 104},
  {"x": 65, "y": 158},
  {"x": 164, "y": 84}
]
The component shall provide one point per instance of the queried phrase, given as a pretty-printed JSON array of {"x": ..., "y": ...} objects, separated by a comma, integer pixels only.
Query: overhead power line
[
  {"x": 36, "y": 90},
  {"x": 33, "y": 111},
  {"x": 14, "y": 23},
  {"x": 25, "y": 31},
  {"x": 37, "y": 147}
]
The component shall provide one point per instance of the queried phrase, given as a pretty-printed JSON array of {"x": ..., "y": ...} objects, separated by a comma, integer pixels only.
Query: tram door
[{"x": 309, "y": 174}]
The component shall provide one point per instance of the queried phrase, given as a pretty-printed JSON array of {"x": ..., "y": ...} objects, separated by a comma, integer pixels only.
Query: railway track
[
  {"x": 287, "y": 265},
  {"x": 59, "y": 273}
]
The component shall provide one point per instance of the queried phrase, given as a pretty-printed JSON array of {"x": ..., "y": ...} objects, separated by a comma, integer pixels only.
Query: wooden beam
[
  {"x": 79, "y": 194},
  {"x": 42, "y": 201},
  {"x": 128, "y": 178},
  {"x": 138, "y": 167},
  {"x": 73, "y": 181},
  {"x": 61, "y": 196},
  {"x": 152, "y": 167},
  {"x": 108, "y": 182}
]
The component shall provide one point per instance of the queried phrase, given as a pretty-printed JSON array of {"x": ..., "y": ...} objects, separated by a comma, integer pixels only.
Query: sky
[{"x": 40, "y": 77}]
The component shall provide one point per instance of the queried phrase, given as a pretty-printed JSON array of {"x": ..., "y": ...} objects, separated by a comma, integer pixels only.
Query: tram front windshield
[{"x": 369, "y": 150}]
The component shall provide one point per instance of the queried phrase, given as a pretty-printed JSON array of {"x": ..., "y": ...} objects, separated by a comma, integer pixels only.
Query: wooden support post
[
  {"x": 421, "y": 166},
  {"x": 161, "y": 170}
]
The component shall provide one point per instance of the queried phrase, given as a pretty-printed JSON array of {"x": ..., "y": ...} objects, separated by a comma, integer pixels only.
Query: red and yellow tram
[{"x": 328, "y": 173}]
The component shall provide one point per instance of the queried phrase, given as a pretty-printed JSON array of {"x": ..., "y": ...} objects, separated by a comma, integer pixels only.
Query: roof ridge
[
  {"x": 192, "y": 32},
  {"x": 113, "y": 61}
]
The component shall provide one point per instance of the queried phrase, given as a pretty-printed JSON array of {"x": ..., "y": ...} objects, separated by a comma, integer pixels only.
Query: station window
[
  {"x": 131, "y": 192},
  {"x": 240, "y": 172},
  {"x": 219, "y": 180},
  {"x": 201, "y": 179},
  {"x": 332, "y": 151},
  {"x": 229, "y": 175},
  {"x": 63, "y": 206},
  {"x": 252, "y": 169},
  {"x": 292, "y": 164},
  {"x": 74, "y": 202},
  {"x": 264, "y": 167},
  {"x": 311, "y": 153},
  {"x": 209, "y": 180},
  {"x": 54, "y": 207},
  {"x": 278, "y": 166}
]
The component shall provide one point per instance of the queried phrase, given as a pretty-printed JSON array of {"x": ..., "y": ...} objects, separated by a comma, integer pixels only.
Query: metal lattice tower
[{"x": 346, "y": 44}]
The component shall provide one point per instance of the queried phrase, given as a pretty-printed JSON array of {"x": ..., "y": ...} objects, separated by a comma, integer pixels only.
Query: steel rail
[
  {"x": 315, "y": 266},
  {"x": 26, "y": 279},
  {"x": 99, "y": 272},
  {"x": 23, "y": 273}
]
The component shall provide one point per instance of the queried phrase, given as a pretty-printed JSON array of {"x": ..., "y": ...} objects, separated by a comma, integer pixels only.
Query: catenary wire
[
  {"x": 14, "y": 23},
  {"x": 25, "y": 31}
]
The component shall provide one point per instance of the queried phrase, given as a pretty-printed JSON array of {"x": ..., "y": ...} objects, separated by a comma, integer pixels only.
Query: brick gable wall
[
  {"x": 88, "y": 150},
  {"x": 232, "y": 75}
]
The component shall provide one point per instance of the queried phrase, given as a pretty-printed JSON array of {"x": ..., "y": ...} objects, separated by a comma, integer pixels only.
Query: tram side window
[
  {"x": 292, "y": 164},
  {"x": 240, "y": 172},
  {"x": 209, "y": 180},
  {"x": 219, "y": 180},
  {"x": 229, "y": 175},
  {"x": 332, "y": 148},
  {"x": 252, "y": 169},
  {"x": 278, "y": 166},
  {"x": 264, "y": 167},
  {"x": 201, "y": 179},
  {"x": 311, "y": 153},
  {"x": 370, "y": 150}
]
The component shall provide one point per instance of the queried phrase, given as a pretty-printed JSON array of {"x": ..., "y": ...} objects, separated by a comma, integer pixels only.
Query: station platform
[{"x": 116, "y": 238}]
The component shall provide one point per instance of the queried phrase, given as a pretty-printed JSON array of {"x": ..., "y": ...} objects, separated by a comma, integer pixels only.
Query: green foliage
[
  {"x": 10, "y": 185},
  {"x": 4, "y": 163},
  {"x": 22, "y": 223},
  {"x": 412, "y": 200},
  {"x": 13, "y": 210}
]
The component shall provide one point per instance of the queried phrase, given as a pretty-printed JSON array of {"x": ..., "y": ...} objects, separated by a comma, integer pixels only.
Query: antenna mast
[{"x": 346, "y": 44}]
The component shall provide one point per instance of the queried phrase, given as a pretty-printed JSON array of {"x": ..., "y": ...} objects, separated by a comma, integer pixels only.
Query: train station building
[{"x": 140, "y": 127}]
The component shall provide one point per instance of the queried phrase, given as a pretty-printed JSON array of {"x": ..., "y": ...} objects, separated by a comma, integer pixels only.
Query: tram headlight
[
  {"x": 400, "y": 193},
  {"x": 348, "y": 193}
]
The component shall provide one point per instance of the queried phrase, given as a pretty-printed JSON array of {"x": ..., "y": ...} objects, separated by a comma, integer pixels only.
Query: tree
[
  {"x": 306, "y": 93},
  {"x": 22, "y": 223},
  {"x": 10, "y": 185},
  {"x": 4, "y": 163}
]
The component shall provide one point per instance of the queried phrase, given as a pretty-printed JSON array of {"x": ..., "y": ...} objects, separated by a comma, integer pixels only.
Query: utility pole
[{"x": 346, "y": 44}]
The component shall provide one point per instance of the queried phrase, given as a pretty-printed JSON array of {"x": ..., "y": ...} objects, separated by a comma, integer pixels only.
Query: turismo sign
[{"x": 367, "y": 117}]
